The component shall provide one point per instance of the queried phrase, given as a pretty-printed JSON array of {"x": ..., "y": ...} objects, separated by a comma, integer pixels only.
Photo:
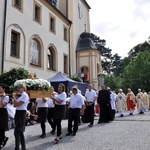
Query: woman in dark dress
[
  {"x": 60, "y": 107},
  {"x": 3, "y": 116},
  {"x": 41, "y": 105},
  {"x": 20, "y": 102}
]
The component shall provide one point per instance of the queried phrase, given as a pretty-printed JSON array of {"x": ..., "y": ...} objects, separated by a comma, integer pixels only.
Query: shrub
[{"x": 8, "y": 78}]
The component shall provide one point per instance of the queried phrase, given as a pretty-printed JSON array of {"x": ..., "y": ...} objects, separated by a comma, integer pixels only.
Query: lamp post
[{"x": 100, "y": 79}]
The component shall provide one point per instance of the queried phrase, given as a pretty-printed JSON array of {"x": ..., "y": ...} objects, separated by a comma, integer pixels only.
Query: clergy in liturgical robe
[
  {"x": 145, "y": 100},
  {"x": 139, "y": 100},
  {"x": 105, "y": 107},
  {"x": 121, "y": 102},
  {"x": 130, "y": 101}
]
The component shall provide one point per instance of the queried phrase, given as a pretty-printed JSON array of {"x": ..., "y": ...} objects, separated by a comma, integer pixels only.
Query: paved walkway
[{"x": 127, "y": 133}]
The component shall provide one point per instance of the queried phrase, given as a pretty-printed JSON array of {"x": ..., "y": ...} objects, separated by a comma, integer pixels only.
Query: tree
[
  {"x": 8, "y": 78},
  {"x": 138, "y": 49},
  {"x": 105, "y": 52},
  {"x": 116, "y": 64},
  {"x": 137, "y": 73}
]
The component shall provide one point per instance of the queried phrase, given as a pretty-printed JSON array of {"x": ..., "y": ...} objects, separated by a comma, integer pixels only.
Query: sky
[{"x": 122, "y": 23}]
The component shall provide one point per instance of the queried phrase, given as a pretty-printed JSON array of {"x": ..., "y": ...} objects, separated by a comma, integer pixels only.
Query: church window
[
  {"x": 51, "y": 59},
  {"x": 15, "y": 44},
  {"x": 37, "y": 13},
  {"x": 65, "y": 34},
  {"x": 66, "y": 64},
  {"x": 52, "y": 24},
  {"x": 79, "y": 10},
  {"x": 18, "y": 4},
  {"x": 35, "y": 53}
]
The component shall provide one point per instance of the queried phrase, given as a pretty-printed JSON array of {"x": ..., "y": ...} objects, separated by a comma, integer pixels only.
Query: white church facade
[{"x": 43, "y": 36}]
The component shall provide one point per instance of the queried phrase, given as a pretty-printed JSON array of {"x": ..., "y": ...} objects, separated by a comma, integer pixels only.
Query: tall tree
[
  {"x": 137, "y": 73},
  {"x": 116, "y": 64},
  {"x": 138, "y": 49},
  {"x": 106, "y": 52}
]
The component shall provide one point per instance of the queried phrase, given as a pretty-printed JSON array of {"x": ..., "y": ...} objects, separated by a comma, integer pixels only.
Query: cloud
[{"x": 122, "y": 23}]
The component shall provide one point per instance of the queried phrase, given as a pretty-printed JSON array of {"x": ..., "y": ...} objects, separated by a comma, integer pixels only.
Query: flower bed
[{"x": 36, "y": 88}]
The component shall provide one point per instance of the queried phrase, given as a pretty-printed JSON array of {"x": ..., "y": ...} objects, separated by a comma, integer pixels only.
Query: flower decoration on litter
[{"x": 34, "y": 84}]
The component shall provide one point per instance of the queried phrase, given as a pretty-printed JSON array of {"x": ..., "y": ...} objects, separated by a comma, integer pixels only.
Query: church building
[{"x": 48, "y": 36}]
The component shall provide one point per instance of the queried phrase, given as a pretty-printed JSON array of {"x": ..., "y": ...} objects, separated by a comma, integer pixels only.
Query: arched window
[
  {"x": 51, "y": 58},
  {"x": 35, "y": 53}
]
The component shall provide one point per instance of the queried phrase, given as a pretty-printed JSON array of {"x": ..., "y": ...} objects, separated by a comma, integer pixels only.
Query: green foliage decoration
[{"x": 76, "y": 78}]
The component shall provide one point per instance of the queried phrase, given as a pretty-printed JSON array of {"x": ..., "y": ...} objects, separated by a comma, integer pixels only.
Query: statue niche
[{"x": 84, "y": 74}]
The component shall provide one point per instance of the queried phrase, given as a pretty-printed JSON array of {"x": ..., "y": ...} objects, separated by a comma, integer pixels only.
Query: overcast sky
[{"x": 122, "y": 23}]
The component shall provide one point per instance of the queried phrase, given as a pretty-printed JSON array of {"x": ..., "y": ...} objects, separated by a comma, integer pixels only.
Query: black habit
[{"x": 105, "y": 107}]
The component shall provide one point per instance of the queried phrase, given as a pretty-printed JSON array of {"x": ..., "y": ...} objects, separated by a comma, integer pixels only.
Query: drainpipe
[
  {"x": 69, "y": 46},
  {"x": 3, "y": 42},
  {"x": 67, "y": 8},
  {"x": 69, "y": 51}
]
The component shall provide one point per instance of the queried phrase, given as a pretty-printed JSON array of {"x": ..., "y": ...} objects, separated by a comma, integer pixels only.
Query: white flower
[{"x": 34, "y": 84}]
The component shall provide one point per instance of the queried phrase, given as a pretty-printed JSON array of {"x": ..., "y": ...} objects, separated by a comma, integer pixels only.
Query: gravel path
[{"x": 127, "y": 133}]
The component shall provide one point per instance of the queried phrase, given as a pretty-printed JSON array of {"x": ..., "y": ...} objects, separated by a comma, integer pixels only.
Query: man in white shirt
[
  {"x": 75, "y": 105},
  {"x": 79, "y": 91},
  {"x": 91, "y": 96}
]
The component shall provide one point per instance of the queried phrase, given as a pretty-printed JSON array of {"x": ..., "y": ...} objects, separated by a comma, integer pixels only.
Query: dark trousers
[
  {"x": 2, "y": 135},
  {"x": 50, "y": 118},
  {"x": 20, "y": 120},
  {"x": 58, "y": 125},
  {"x": 113, "y": 111},
  {"x": 19, "y": 138},
  {"x": 74, "y": 114},
  {"x": 90, "y": 110},
  {"x": 43, "y": 126}
]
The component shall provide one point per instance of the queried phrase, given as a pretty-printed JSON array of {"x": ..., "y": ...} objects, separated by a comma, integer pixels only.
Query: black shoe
[
  {"x": 121, "y": 115},
  {"x": 99, "y": 122},
  {"x": 5, "y": 141},
  {"x": 131, "y": 114},
  {"x": 107, "y": 122},
  {"x": 52, "y": 132},
  {"x": 68, "y": 134},
  {"x": 90, "y": 125},
  {"x": 0, "y": 146},
  {"x": 73, "y": 134},
  {"x": 56, "y": 140},
  {"x": 43, "y": 135},
  {"x": 141, "y": 112}
]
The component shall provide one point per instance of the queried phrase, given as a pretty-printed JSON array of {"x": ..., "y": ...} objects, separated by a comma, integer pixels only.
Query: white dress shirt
[
  {"x": 6, "y": 99},
  {"x": 62, "y": 96},
  {"x": 90, "y": 95},
  {"x": 11, "y": 110},
  {"x": 40, "y": 103},
  {"x": 76, "y": 101},
  {"x": 24, "y": 98},
  {"x": 50, "y": 103}
]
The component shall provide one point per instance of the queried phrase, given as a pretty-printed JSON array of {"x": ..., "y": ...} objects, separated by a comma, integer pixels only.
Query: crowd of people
[{"x": 17, "y": 112}]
